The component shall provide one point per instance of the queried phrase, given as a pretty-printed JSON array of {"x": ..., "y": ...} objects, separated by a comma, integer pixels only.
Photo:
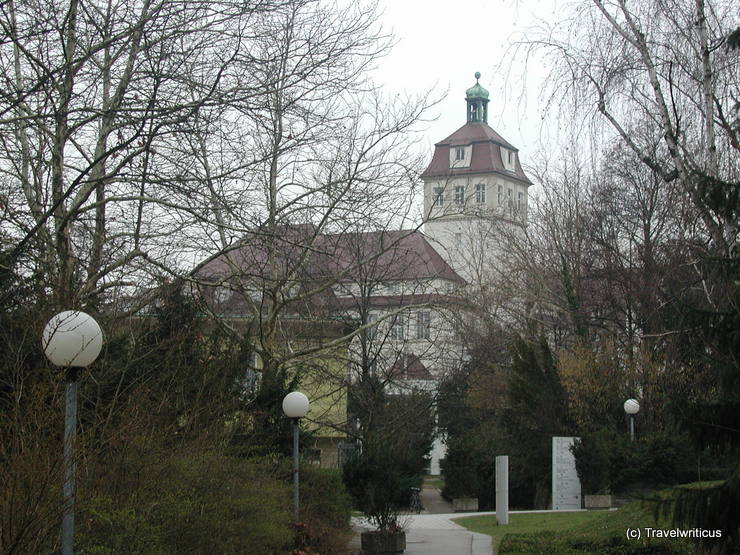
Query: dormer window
[
  {"x": 460, "y": 156},
  {"x": 508, "y": 157}
]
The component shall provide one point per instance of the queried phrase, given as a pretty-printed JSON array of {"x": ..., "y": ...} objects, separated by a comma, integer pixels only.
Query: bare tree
[
  {"x": 91, "y": 92},
  {"x": 656, "y": 71},
  {"x": 138, "y": 139}
]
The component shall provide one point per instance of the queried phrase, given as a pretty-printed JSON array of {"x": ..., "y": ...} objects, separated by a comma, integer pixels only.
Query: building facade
[
  {"x": 475, "y": 192},
  {"x": 393, "y": 295}
]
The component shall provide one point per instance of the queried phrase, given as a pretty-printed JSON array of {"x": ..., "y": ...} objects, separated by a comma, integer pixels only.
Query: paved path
[
  {"x": 435, "y": 534},
  {"x": 431, "y": 499},
  {"x": 432, "y": 532}
]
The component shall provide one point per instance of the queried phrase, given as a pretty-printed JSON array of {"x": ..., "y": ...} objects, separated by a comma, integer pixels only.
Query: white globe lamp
[
  {"x": 632, "y": 407},
  {"x": 295, "y": 406},
  {"x": 71, "y": 340}
]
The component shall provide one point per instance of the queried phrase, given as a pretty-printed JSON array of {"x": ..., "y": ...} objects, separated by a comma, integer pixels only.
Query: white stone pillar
[{"x": 502, "y": 489}]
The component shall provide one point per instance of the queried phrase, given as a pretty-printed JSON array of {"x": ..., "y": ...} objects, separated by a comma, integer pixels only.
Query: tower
[{"x": 475, "y": 192}]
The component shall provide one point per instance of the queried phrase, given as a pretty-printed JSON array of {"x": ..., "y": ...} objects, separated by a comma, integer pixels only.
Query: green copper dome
[{"x": 476, "y": 91}]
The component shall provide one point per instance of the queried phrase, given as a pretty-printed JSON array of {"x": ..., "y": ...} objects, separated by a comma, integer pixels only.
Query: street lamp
[
  {"x": 71, "y": 340},
  {"x": 295, "y": 406},
  {"x": 632, "y": 407}
]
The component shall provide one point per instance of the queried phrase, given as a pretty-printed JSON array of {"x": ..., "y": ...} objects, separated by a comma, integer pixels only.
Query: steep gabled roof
[
  {"x": 410, "y": 367},
  {"x": 486, "y": 156}
]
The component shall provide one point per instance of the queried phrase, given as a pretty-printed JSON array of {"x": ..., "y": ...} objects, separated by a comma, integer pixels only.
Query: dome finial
[{"x": 477, "y": 76}]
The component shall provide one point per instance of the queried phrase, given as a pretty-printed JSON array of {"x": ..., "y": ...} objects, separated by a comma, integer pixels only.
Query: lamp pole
[
  {"x": 70, "y": 435},
  {"x": 295, "y": 406},
  {"x": 632, "y": 407},
  {"x": 71, "y": 340}
]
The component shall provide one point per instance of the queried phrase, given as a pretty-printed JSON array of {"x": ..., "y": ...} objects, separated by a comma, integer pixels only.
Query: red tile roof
[
  {"x": 312, "y": 260},
  {"x": 475, "y": 132},
  {"x": 376, "y": 255},
  {"x": 384, "y": 256},
  {"x": 486, "y": 154}
]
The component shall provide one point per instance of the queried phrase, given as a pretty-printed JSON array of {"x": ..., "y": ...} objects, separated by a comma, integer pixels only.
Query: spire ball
[{"x": 477, "y": 75}]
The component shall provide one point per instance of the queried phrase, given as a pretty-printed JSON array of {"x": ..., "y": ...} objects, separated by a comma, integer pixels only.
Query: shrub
[
  {"x": 188, "y": 502},
  {"x": 31, "y": 472},
  {"x": 460, "y": 468},
  {"x": 592, "y": 455},
  {"x": 565, "y": 543},
  {"x": 607, "y": 461},
  {"x": 375, "y": 481},
  {"x": 326, "y": 509}
]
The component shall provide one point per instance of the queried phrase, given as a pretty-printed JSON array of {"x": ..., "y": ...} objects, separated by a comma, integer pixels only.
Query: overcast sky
[{"x": 442, "y": 44}]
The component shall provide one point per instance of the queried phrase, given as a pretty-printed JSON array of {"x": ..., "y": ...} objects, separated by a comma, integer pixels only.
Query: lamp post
[
  {"x": 295, "y": 406},
  {"x": 632, "y": 407},
  {"x": 71, "y": 340}
]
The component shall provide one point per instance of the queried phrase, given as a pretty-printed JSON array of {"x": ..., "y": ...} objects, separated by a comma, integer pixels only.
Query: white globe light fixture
[
  {"x": 632, "y": 407},
  {"x": 72, "y": 340},
  {"x": 295, "y": 406}
]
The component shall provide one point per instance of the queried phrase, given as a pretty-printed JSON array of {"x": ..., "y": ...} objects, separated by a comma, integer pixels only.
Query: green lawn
[
  {"x": 435, "y": 481},
  {"x": 529, "y": 523},
  {"x": 582, "y": 532}
]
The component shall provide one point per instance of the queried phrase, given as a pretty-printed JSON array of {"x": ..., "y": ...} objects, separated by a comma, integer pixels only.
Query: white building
[
  {"x": 475, "y": 191},
  {"x": 400, "y": 290}
]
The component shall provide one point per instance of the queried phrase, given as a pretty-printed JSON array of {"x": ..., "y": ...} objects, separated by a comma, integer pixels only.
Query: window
[
  {"x": 520, "y": 202},
  {"x": 458, "y": 240},
  {"x": 511, "y": 158},
  {"x": 500, "y": 195},
  {"x": 371, "y": 321},
  {"x": 510, "y": 198},
  {"x": 398, "y": 328},
  {"x": 423, "y": 320},
  {"x": 480, "y": 193},
  {"x": 438, "y": 196},
  {"x": 459, "y": 153},
  {"x": 459, "y": 194}
]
